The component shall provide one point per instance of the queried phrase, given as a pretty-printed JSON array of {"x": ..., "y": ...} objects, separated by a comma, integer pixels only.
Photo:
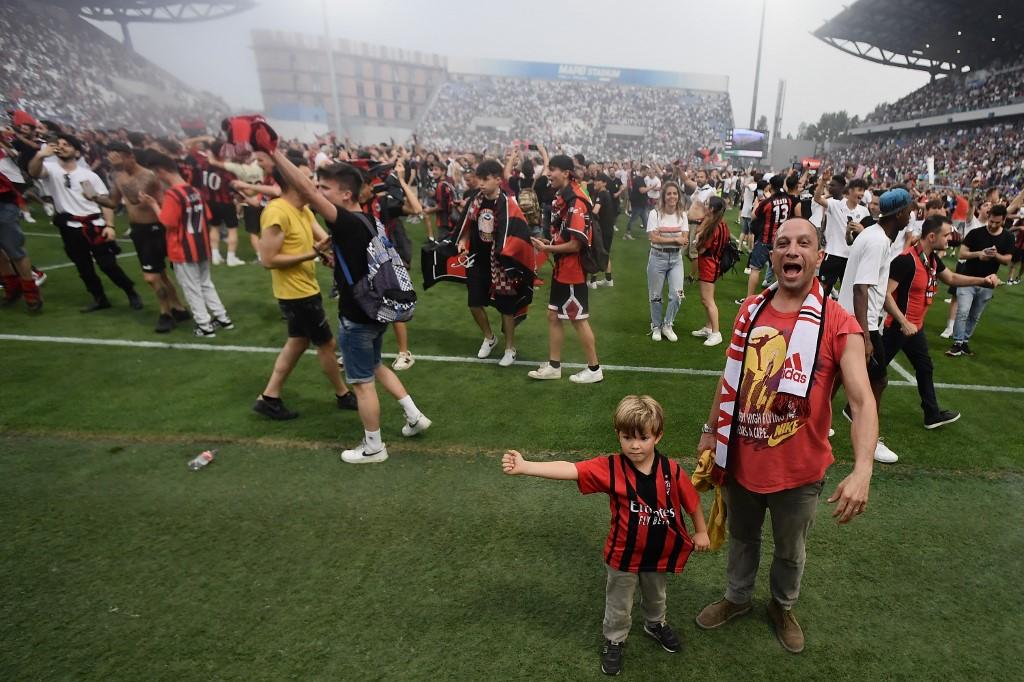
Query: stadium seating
[
  {"x": 650, "y": 122},
  {"x": 59, "y": 67},
  {"x": 980, "y": 89}
]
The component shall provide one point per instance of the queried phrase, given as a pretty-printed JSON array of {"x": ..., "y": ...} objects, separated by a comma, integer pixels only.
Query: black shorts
[
  {"x": 306, "y": 319},
  {"x": 397, "y": 235},
  {"x": 251, "y": 215},
  {"x": 150, "y": 241},
  {"x": 223, "y": 214},
  {"x": 478, "y": 282},
  {"x": 1018, "y": 255},
  {"x": 878, "y": 361},
  {"x": 832, "y": 268},
  {"x": 608, "y": 235},
  {"x": 569, "y": 301}
]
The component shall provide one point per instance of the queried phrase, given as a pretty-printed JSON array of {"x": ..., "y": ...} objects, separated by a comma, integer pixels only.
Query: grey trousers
[
  {"x": 792, "y": 514},
  {"x": 618, "y": 601},
  {"x": 199, "y": 291}
]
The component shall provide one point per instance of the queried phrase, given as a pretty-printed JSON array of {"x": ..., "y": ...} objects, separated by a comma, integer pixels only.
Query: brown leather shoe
[
  {"x": 720, "y": 612},
  {"x": 787, "y": 630}
]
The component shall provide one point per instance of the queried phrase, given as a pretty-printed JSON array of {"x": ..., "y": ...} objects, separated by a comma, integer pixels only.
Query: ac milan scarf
[
  {"x": 792, "y": 394},
  {"x": 513, "y": 258},
  {"x": 247, "y": 133}
]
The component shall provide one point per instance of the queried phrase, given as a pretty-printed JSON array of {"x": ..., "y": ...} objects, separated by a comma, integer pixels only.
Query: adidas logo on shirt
[{"x": 793, "y": 370}]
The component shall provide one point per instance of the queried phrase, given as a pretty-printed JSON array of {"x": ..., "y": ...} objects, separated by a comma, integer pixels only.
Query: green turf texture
[{"x": 280, "y": 562}]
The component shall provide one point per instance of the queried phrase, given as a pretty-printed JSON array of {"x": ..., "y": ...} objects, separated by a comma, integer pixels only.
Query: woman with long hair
[
  {"x": 712, "y": 238},
  {"x": 668, "y": 231}
]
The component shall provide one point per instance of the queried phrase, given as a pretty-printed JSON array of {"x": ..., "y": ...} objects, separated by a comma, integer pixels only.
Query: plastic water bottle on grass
[{"x": 202, "y": 459}]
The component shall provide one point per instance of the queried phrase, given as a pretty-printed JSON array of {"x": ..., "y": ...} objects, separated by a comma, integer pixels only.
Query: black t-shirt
[
  {"x": 481, "y": 237},
  {"x": 613, "y": 188},
  {"x": 979, "y": 240},
  {"x": 351, "y": 236},
  {"x": 545, "y": 192},
  {"x": 26, "y": 153},
  {"x": 607, "y": 214},
  {"x": 636, "y": 197}
]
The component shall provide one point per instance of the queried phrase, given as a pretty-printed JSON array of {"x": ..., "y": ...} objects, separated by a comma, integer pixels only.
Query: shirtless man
[{"x": 127, "y": 181}]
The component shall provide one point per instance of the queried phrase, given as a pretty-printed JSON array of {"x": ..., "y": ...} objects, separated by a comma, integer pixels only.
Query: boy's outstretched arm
[
  {"x": 701, "y": 541},
  {"x": 513, "y": 464}
]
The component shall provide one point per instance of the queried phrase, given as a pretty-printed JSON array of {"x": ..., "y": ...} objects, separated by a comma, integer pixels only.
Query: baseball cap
[{"x": 893, "y": 201}]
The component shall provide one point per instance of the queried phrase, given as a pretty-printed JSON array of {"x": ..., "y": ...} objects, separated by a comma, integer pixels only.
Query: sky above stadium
[{"x": 716, "y": 36}]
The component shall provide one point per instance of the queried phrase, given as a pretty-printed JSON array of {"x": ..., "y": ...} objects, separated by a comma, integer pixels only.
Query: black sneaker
[
  {"x": 665, "y": 636},
  {"x": 134, "y": 301},
  {"x": 180, "y": 315},
  {"x": 101, "y": 304},
  {"x": 223, "y": 323},
  {"x": 274, "y": 409},
  {"x": 347, "y": 401},
  {"x": 611, "y": 657},
  {"x": 207, "y": 332},
  {"x": 942, "y": 418},
  {"x": 955, "y": 351},
  {"x": 164, "y": 324},
  {"x": 967, "y": 350}
]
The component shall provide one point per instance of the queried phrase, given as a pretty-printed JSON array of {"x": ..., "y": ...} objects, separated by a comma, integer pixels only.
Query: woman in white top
[{"x": 669, "y": 232}]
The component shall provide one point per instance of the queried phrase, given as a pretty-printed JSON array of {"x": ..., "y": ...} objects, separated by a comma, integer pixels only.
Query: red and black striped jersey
[
  {"x": 571, "y": 218},
  {"x": 445, "y": 196},
  {"x": 184, "y": 215},
  {"x": 647, "y": 530},
  {"x": 772, "y": 212}
]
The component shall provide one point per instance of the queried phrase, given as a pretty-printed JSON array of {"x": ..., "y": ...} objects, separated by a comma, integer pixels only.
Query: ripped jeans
[{"x": 664, "y": 265}]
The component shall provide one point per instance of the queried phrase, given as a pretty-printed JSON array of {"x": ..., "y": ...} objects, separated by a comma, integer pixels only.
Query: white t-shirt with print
[
  {"x": 837, "y": 212},
  {"x": 669, "y": 225},
  {"x": 66, "y": 187}
]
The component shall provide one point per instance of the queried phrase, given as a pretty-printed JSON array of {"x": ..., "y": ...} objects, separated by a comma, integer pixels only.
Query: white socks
[
  {"x": 412, "y": 413},
  {"x": 373, "y": 441}
]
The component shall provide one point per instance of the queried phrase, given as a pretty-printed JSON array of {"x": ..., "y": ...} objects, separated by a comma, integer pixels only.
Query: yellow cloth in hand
[{"x": 701, "y": 480}]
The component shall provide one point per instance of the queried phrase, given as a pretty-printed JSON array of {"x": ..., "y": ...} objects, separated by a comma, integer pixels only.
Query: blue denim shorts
[
  {"x": 360, "y": 345},
  {"x": 759, "y": 256},
  {"x": 12, "y": 239}
]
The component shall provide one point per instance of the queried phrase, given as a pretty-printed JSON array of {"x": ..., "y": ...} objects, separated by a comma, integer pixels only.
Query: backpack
[
  {"x": 385, "y": 294},
  {"x": 593, "y": 257},
  {"x": 729, "y": 258},
  {"x": 530, "y": 206}
]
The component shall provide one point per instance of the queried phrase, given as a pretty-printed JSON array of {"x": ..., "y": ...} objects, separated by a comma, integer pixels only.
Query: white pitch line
[
  {"x": 125, "y": 343},
  {"x": 903, "y": 373},
  {"x": 59, "y": 266},
  {"x": 57, "y": 236}
]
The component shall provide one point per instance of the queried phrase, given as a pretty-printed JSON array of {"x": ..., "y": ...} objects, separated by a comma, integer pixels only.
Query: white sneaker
[
  {"x": 234, "y": 260},
  {"x": 508, "y": 358},
  {"x": 593, "y": 284},
  {"x": 609, "y": 283},
  {"x": 410, "y": 429},
  {"x": 545, "y": 371},
  {"x": 587, "y": 376},
  {"x": 831, "y": 432},
  {"x": 48, "y": 209},
  {"x": 486, "y": 347},
  {"x": 702, "y": 333},
  {"x": 405, "y": 360},
  {"x": 947, "y": 332},
  {"x": 947, "y": 300},
  {"x": 656, "y": 334},
  {"x": 216, "y": 258},
  {"x": 669, "y": 333},
  {"x": 883, "y": 454},
  {"x": 27, "y": 217},
  {"x": 746, "y": 271},
  {"x": 341, "y": 363},
  {"x": 713, "y": 339},
  {"x": 359, "y": 455}
]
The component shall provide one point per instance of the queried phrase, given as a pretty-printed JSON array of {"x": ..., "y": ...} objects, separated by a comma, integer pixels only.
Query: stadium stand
[
  {"x": 61, "y": 68},
  {"x": 604, "y": 121}
]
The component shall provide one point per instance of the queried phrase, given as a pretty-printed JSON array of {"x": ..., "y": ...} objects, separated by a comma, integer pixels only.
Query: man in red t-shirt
[
  {"x": 648, "y": 495},
  {"x": 771, "y": 417},
  {"x": 183, "y": 215},
  {"x": 913, "y": 280},
  {"x": 571, "y": 232}
]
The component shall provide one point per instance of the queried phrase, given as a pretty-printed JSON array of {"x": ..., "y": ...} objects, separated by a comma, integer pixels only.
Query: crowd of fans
[
  {"x": 63, "y": 69},
  {"x": 670, "y": 122},
  {"x": 961, "y": 92},
  {"x": 987, "y": 155}
]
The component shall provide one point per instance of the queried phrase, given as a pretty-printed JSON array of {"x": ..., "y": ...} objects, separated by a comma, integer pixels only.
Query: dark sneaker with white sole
[
  {"x": 611, "y": 657},
  {"x": 347, "y": 401},
  {"x": 941, "y": 419},
  {"x": 274, "y": 409},
  {"x": 665, "y": 636},
  {"x": 223, "y": 323}
]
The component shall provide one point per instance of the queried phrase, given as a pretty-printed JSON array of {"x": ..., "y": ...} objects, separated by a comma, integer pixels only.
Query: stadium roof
[
  {"x": 153, "y": 11},
  {"x": 937, "y": 36}
]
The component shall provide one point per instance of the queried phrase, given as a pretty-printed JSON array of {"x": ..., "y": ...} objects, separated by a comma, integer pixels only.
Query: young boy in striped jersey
[{"x": 648, "y": 494}]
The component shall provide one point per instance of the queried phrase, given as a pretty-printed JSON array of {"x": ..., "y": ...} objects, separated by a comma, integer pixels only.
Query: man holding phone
[{"x": 85, "y": 231}]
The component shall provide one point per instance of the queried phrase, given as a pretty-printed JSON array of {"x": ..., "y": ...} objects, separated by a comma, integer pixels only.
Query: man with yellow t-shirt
[{"x": 290, "y": 242}]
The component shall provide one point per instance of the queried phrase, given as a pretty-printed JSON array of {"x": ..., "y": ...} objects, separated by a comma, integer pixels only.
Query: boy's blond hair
[{"x": 637, "y": 415}]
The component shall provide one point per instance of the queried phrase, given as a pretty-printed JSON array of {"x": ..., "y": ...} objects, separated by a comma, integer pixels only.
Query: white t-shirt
[
  {"x": 868, "y": 264},
  {"x": 817, "y": 212},
  {"x": 702, "y": 194},
  {"x": 667, "y": 225},
  {"x": 835, "y": 229},
  {"x": 10, "y": 169},
  {"x": 71, "y": 199},
  {"x": 655, "y": 185},
  {"x": 321, "y": 159},
  {"x": 748, "y": 200}
]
